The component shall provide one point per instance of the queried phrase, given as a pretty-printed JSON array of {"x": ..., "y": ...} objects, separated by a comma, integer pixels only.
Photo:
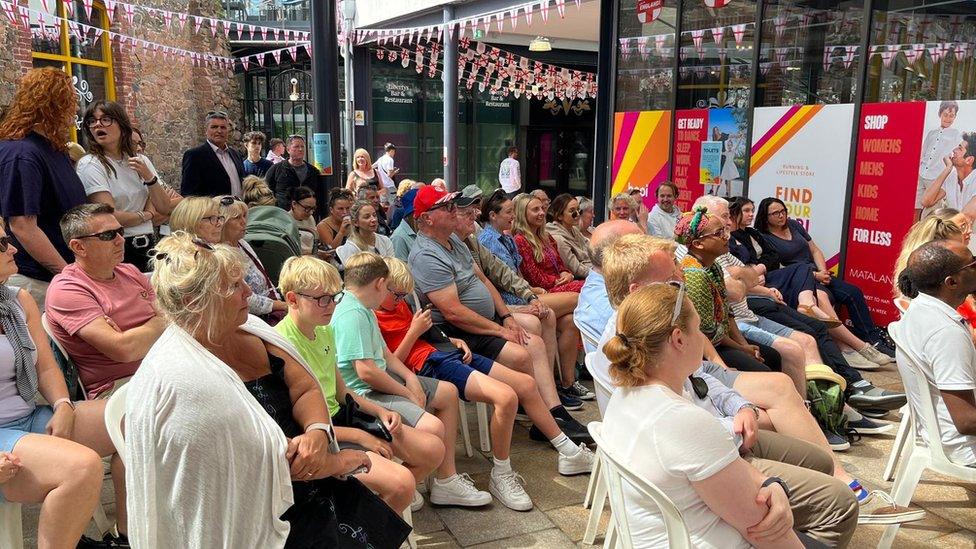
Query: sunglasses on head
[
  {"x": 677, "y": 302},
  {"x": 105, "y": 236},
  {"x": 228, "y": 200},
  {"x": 200, "y": 243}
]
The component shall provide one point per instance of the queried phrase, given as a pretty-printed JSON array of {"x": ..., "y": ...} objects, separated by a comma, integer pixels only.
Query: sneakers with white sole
[
  {"x": 578, "y": 464},
  {"x": 458, "y": 491},
  {"x": 507, "y": 487},
  {"x": 856, "y": 360},
  {"x": 872, "y": 354},
  {"x": 879, "y": 508},
  {"x": 417, "y": 503}
]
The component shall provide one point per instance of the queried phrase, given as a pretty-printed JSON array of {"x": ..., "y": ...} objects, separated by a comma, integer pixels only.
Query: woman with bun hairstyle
[{"x": 724, "y": 498}]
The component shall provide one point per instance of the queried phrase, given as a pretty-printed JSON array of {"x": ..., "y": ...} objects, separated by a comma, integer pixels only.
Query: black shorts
[{"x": 485, "y": 345}]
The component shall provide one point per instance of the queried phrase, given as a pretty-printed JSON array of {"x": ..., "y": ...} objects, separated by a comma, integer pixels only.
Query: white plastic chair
[
  {"x": 615, "y": 473},
  {"x": 484, "y": 433},
  {"x": 901, "y": 303},
  {"x": 596, "y": 492},
  {"x": 899, "y": 449},
  {"x": 11, "y": 526},
  {"x": 114, "y": 413},
  {"x": 916, "y": 457}
]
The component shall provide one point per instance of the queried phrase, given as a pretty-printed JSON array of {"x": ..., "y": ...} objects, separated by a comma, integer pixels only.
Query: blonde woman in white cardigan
[{"x": 563, "y": 226}]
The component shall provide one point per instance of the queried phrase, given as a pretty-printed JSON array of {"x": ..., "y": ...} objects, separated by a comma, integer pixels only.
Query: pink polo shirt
[{"x": 74, "y": 299}]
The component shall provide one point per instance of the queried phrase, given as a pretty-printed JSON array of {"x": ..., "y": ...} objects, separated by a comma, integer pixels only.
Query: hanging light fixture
[{"x": 540, "y": 43}]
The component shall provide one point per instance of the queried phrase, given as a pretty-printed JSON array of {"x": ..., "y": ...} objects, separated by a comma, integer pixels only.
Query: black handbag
[{"x": 352, "y": 416}]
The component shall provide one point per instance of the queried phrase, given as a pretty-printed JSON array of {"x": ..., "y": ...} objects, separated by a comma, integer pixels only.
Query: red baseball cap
[{"x": 427, "y": 197}]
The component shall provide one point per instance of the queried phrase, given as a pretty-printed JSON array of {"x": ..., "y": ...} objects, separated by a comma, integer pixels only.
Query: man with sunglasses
[
  {"x": 934, "y": 339},
  {"x": 213, "y": 168},
  {"x": 100, "y": 309},
  {"x": 294, "y": 172}
]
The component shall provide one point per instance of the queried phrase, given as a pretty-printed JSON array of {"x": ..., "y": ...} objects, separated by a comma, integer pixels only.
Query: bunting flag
[
  {"x": 849, "y": 52},
  {"x": 87, "y": 4},
  {"x": 528, "y": 16},
  {"x": 181, "y": 17},
  {"x": 168, "y": 19},
  {"x": 961, "y": 51},
  {"x": 544, "y": 10},
  {"x": 717, "y": 34},
  {"x": 739, "y": 31},
  {"x": 780, "y": 25},
  {"x": 513, "y": 18},
  {"x": 109, "y": 10},
  {"x": 696, "y": 37},
  {"x": 561, "y": 8},
  {"x": 642, "y": 47},
  {"x": 659, "y": 43},
  {"x": 886, "y": 57}
]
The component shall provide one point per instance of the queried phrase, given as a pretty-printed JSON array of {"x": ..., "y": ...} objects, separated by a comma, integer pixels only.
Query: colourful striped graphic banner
[
  {"x": 641, "y": 141},
  {"x": 780, "y": 133}
]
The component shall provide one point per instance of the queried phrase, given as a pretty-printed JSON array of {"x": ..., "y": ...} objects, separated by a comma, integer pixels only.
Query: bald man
[{"x": 594, "y": 309}]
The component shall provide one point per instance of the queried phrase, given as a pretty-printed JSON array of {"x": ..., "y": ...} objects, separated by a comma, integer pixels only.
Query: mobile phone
[
  {"x": 428, "y": 306},
  {"x": 323, "y": 247}
]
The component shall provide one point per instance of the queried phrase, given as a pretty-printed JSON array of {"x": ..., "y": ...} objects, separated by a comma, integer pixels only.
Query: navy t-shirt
[
  {"x": 36, "y": 180},
  {"x": 258, "y": 168},
  {"x": 794, "y": 250}
]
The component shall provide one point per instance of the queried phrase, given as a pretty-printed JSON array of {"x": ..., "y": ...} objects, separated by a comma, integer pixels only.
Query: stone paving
[{"x": 558, "y": 519}]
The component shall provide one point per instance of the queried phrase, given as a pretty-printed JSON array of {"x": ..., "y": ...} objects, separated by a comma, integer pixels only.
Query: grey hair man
[{"x": 213, "y": 168}]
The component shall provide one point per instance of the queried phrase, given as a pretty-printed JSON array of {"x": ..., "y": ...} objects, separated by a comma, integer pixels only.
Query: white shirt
[
  {"x": 937, "y": 340},
  {"x": 937, "y": 145},
  {"x": 383, "y": 166},
  {"x": 957, "y": 196},
  {"x": 125, "y": 186},
  {"x": 508, "y": 175},
  {"x": 382, "y": 247},
  {"x": 670, "y": 442},
  {"x": 274, "y": 158},
  {"x": 228, "y": 163},
  {"x": 661, "y": 223}
]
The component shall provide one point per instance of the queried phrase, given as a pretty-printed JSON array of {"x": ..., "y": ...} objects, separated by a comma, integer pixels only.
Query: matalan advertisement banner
[{"x": 800, "y": 154}]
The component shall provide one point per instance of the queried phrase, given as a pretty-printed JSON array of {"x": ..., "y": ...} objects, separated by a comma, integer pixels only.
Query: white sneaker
[
  {"x": 507, "y": 487},
  {"x": 459, "y": 491},
  {"x": 856, "y": 360},
  {"x": 578, "y": 464},
  {"x": 874, "y": 355},
  {"x": 417, "y": 503}
]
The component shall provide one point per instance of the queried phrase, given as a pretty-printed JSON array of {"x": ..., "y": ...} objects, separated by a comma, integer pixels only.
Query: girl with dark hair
[
  {"x": 334, "y": 229},
  {"x": 794, "y": 245},
  {"x": 302, "y": 210},
  {"x": 563, "y": 226},
  {"x": 114, "y": 173}
]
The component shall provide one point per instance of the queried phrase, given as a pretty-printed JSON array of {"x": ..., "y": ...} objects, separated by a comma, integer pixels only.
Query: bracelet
[
  {"x": 151, "y": 182},
  {"x": 754, "y": 408},
  {"x": 65, "y": 401},
  {"x": 505, "y": 316},
  {"x": 320, "y": 427},
  {"x": 779, "y": 481}
]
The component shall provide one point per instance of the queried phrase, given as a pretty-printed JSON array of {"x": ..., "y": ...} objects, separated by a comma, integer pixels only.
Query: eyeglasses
[
  {"x": 397, "y": 296},
  {"x": 104, "y": 236},
  {"x": 574, "y": 213},
  {"x": 104, "y": 121},
  {"x": 4, "y": 243},
  {"x": 449, "y": 206},
  {"x": 214, "y": 219},
  {"x": 229, "y": 200},
  {"x": 324, "y": 300},
  {"x": 723, "y": 233},
  {"x": 777, "y": 213},
  {"x": 308, "y": 209},
  {"x": 969, "y": 265}
]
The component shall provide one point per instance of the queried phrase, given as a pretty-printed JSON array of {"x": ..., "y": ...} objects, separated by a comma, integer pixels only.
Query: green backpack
[{"x": 827, "y": 405}]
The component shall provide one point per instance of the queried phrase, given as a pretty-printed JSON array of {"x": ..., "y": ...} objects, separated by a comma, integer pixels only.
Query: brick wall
[{"x": 167, "y": 100}]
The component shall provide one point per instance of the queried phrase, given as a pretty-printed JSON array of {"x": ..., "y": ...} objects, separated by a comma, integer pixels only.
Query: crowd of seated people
[{"x": 331, "y": 389}]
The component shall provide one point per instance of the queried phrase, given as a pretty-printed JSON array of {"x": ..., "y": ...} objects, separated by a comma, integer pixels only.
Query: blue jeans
[{"x": 851, "y": 297}]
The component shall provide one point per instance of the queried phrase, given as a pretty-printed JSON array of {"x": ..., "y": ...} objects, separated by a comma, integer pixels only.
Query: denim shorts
[
  {"x": 763, "y": 332},
  {"x": 450, "y": 368},
  {"x": 34, "y": 422}
]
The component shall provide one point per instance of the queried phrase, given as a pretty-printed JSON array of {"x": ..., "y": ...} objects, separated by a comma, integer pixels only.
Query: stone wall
[{"x": 167, "y": 100}]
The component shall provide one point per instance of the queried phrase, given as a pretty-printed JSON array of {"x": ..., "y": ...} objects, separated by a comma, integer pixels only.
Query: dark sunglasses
[
  {"x": 450, "y": 206},
  {"x": 574, "y": 213},
  {"x": 324, "y": 299},
  {"x": 700, "y": 387},
  {"x": 229, "y": 200},
  {"x": 4, "y": 243},
  {"x": 105, "y": 236}
]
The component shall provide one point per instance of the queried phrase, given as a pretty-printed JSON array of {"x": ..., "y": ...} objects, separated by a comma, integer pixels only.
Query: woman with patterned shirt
[{"x": 707, "y": 237}]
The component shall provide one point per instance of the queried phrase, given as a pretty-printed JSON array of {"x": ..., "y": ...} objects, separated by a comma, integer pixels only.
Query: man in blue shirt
[{"x": 594, "y": 310}]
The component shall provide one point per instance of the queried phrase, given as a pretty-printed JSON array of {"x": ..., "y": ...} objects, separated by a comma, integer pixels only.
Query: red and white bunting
[
  {"x": 11, "y": 12},
  {"x": 779, "y": 23},
  {"x": 780, "y": 54},
  {"x": 718, "y": 33},
  {"x": 293, "y": 52},
  {"x": 277, "y": 56},
  {"x": 87, "y": 4},
  {"x": 260, "y": 59},
  {"x": 513, "y": 18},
  {"x": 849, "y": 52},
  {"x": 659, "y": 43},
  {"x": 213, "y": 27},
  {"x": 130, "y": 13},
  {"x": 168, "y": 19},
  {"x": 696, "y": 37},
  {"x": 182, "y": 17},
  {"x": 738, "y": 31},
  {"x": 418, "y": 59},
  {"x": 44, "y": 5},
  {"x": 197, "y": 23},
  {"x": 961, "y": 51},
  {"x": 642, "y": 47},
  {"x": 561, "y": 8},
  {"x": 308, "y": 49},
  {"x": 934, "y": 52},
  {"x": 648, "y": 10},
  {"x": 716, "y": 3},
  {"x": 544, "y": 10},
  {"x": 528, "y": 16},
  {"x": 110, "y": 10},
  {"x": 69, "y": 8}
]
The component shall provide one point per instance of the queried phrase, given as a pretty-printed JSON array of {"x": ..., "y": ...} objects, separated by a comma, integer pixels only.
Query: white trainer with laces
[
  {"x": 879, "y": 508},
  {"x": 507, "y": 487},
  {"x": 417, "y": 503},
  {"x": 578, "y": 464},
  {"x": 460, "y": 491}
]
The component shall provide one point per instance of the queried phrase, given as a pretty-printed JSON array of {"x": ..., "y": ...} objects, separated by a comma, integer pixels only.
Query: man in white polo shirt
[
  {"x": 957, "y": 182},
  {"x": 935, "y": 339}
]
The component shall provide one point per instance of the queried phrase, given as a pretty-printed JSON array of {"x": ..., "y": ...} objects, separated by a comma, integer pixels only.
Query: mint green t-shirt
[
  {"x": 357, "y": 337},
  {"x": 320, "y": 355}
]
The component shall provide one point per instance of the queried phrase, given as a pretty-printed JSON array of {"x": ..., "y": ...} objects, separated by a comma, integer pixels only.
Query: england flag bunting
[
  {"x": 544, "y": 10},
  {"x": 181, "y": 17},
  {"x": 168, "y": 19},
  {"x": 738, "y": 31},
  {"x": 513, "y": 18},
  {"x": 88, "y": 9},
  {"x": 561, "y": 8},
  {"x": 717, "y": 34},
  {"x": 696, "y": 37},
  {"x": 849, "y": 52},
  {"x": 716, "y": 3},
  {"x": 659, "y": 43},
  {"x": 109, "y": 10}
]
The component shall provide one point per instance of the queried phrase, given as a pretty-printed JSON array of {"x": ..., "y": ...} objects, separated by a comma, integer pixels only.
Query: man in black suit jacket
[{"x": 213, "y": 169}]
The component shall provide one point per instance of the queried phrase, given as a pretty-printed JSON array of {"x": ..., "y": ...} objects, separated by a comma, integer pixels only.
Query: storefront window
[
  {"x": 396, "y": 114},
  {"x": 809, "y": 55},
  {"x": 495, "y": 132},
  {"x": 645, "y": 56},
  {"x": 715, "y": 56},
  {"x": 922, "y": 52},
  {"x": 77, "y": 44}
]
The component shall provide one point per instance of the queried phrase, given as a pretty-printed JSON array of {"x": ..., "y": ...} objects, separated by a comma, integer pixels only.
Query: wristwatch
[
  {"x": 779, "y": 481},
  {"x": 754, "y": 408},
  {"x": 64, "y": 400},
  {"x": 321, "y": 427},
  {"x": 151, "y": 182}
]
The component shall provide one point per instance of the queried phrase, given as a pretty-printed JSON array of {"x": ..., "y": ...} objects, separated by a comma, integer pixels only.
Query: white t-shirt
[
  {"x": 957, "y": 196},
  {"x": 382, "y": 247},
  {"x": 936, "y": 339},
  {"x": 937, "y": 145},
  {"x": 383, "y": 166},
  {"x": 126, "y": 186},
  {"x": 508, "y": 175},
  {"x": 671, "y": 443}
]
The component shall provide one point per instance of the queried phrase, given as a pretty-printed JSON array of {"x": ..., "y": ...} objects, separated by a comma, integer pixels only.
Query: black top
[
  {"x": 282, "y": 178},
  {"x": 37, "y": 180},
  {"x": 751, "y": 247},
  {"x": 204, "y": 175}
]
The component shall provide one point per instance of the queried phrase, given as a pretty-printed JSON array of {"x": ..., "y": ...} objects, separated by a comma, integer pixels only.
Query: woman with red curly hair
[{"x": 37, "y": 182}]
